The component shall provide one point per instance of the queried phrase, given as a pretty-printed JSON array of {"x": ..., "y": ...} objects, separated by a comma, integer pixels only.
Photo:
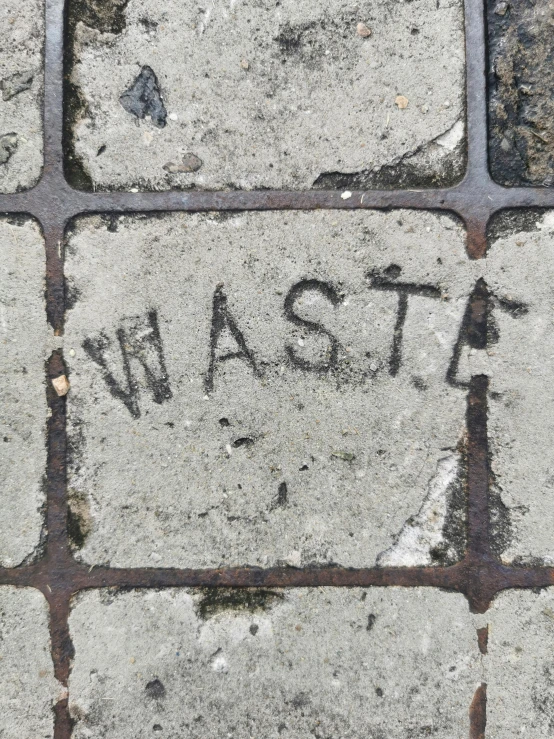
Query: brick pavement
[{"x": 296, "y": 401}]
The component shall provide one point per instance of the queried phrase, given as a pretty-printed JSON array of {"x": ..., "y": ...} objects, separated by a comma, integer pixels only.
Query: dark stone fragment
[{"x": 144, "y": 98}]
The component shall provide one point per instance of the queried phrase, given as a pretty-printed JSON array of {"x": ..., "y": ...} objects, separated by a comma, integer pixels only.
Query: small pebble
[
  {"x": 505, "y": 144},
  {"x": 72, "y": 352},
  {"x": 346, "y": 194},
  {"x": 61, "y": 385},
  {"x": 244, "y": 64},
  {"x": 363, "y": 31},
  {"x": 401, "y": 102},
  {"x": 173, "y": 117},
  {"x": 501, "y": 8},
  {"x": 189, "y": 163}
]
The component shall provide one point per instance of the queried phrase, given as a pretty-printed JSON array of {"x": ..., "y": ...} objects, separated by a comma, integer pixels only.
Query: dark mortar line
[
  {"x": 478, "y": 713},
  {"x": 478, "y": 468},
  {"x": 69, "y": 577}
]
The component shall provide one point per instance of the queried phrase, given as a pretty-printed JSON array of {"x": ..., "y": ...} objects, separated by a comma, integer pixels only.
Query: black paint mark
[
  {"x": 296, "y": 292},
  {"x": 371, "y": 621},
  {"x": 515, "y": 309},
  {"x": 224, "y": 422},
  {"x": 478, "y": 329},
  {"x": 221, "y": 320},
  {"x": 8, "y": 145},
  {"x": 106, "y": 16},
  {"x": 15, "y": 84},
  {"x": 222, "y": 600},
  {"x": 243, "y": 441},
  {"x": 281, "y": 498},
  {"x": 155, "y": 689},
  {"x": 139, "y": 339},
  {"x": 386, "y": 280},
  {"x": 144, "y": 98}
]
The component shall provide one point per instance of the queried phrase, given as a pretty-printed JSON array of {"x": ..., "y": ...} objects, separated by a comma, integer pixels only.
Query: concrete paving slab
[
  {"x": 521, "y": 405},
  {"x": 265, "y": 389},
  {"x": 24, "y": 338},
  {"x": 21, "y": 90},
  {"x": 519, "y": 666},
  {"x": 244, "y": 94},
  {"x": 299, "y": 663},
  {"x": 29, "y": 689}
]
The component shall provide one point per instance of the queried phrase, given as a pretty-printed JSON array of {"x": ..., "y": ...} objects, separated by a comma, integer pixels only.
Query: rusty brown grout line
[{"x": 479, "y": 576}]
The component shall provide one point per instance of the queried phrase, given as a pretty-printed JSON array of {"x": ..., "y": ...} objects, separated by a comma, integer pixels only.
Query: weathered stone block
[
  {"x": 297, "y": 663},
  {"x": 261, "y": 389},
  {"x": 227, "y": 95},
  {"x": 519, "y": 665},
  {"x": 521, "y": 404},
  {"x": 21, "y": 90},
  {"x": 29, "y": 689},
  {"x": 24, "y": 341},
  {"x": 521, "y": 83}
]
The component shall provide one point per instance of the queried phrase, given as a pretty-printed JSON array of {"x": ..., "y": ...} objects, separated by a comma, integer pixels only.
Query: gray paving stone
[
  {"x": 519, "y": 665},
  {"x": 317, "y": 443},
  {"x": 24, "y": 341},
  {"x": 521, "y": 406},
  {"x": 299, "y": 663},
  {"x": 21, "y": 90},
  {"x": 244, "y": 94},
  {"x": 29, "y": 689}
]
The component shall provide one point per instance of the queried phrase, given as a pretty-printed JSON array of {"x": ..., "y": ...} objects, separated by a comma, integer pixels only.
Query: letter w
[{"x": 139, "y": 340}]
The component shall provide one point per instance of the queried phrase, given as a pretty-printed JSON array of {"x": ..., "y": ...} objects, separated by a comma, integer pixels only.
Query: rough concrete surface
[
  {"x": 266, "y": 94},
  {"x": 521, "y": 407},
  {"x": 521, "y": 105},
  {"x": 333, "y": 436},
  {"x": 21, "y": 89},
  {"x": 23, "y": 411},
  {"x": 519, "y": 665},
  {"x": 298, "y": 663},
  {"x": 29, "y": 689}
]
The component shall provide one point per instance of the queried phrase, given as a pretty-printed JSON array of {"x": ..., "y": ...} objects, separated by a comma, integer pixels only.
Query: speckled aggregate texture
[
  {"x": 297, "y": 663},
  {"x": 521, "y": 413},
  {"x": 267, "y": 94},
  {"x": 23, "y": 410},
  {"x": 519, "y": 666},
  {"x": 29, "y": 689},
  {"x": 309, "y": 447},
  {"x": 520, "y": 92},
  {"x": 21, "y": 90}
]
